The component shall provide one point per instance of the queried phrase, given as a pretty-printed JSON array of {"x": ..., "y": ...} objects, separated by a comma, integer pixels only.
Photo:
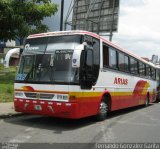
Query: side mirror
[
  {"x": 86, "y": 71},
  {"x": 89, "y": 60},
  {"x": 77, "y": 56}
]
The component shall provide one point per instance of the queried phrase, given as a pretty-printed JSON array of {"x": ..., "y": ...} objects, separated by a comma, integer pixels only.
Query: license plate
[{"x": 38, "y": 107}]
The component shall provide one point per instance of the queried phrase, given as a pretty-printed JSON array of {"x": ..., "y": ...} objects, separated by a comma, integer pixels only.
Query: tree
[
  {"x": 19, "y": 18},
  {"x": 7, "y": 22}
]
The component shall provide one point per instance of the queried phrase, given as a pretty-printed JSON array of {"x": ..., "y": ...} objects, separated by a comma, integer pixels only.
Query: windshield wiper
[{"x": 31, "y": 71}]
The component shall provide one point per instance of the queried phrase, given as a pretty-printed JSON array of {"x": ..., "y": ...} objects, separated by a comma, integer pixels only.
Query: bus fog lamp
[
  {"x": 65, "y": 97},
  {"x": 18, "y": 94}
]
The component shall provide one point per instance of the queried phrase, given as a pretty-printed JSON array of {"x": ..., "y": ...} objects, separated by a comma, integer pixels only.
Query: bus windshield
[{"x": 49, "y": 60}]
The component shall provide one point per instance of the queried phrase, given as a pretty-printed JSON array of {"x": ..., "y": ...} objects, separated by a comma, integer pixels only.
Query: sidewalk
[{"x": 7, "y": 110}]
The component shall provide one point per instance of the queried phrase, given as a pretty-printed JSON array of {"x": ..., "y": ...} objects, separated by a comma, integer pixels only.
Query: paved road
[{"x": 131, "y": 125}]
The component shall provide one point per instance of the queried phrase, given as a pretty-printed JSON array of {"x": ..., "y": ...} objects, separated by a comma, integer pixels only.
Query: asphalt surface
[
  {"x": 7, "y": 110},
  {"x": 133, "y": 125}
]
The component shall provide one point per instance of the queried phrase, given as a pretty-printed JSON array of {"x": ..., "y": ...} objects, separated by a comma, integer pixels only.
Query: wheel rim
[
  {"x": 147, "y": 101},
  {"x": 103, "y": 108}
]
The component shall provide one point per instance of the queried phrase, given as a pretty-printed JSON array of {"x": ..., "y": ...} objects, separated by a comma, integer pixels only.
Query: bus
[
  {"x": 158, "y": 82},
  {"x": 76, "y": 74}
]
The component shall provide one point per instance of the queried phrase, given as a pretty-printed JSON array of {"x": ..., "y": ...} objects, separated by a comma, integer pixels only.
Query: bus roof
[
  {"x": 59, "y": 33},
  {"x": 82, "y": 32}
]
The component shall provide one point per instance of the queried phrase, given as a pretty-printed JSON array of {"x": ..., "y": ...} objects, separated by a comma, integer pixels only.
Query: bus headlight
[
  {"x": 18, "y": 94},
  {"x": 62, "y": 97}
]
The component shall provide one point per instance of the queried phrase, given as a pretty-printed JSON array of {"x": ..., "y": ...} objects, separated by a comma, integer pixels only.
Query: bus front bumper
[{"x": 50, "y": 108}]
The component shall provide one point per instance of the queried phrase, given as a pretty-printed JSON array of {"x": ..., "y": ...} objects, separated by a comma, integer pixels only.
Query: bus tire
[
  {"x": 147, "y": 101},
  {"x": 103, "y": 110}
]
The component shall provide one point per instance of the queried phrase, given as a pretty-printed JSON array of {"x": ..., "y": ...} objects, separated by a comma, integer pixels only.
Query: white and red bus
[
  {"x": 75, "y": 74},
  {"x": 158, "y": 83}
]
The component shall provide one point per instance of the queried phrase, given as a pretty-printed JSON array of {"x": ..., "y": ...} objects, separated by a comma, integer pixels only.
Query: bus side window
[
  {"x": 148, "y": 71},
  {"x": 157, "y": 74},
  {"x": 141, "y": 69},
  {"x": 112, "y": 58},
  {"x": 105, "y": 56},
  {"x": 109, "y": 57},
  {"x": 133, "y": 66},
  {"x": 126, "y": 63},
  {"x": 121, "y": 61},
  {"x": 153, "y": 73}
]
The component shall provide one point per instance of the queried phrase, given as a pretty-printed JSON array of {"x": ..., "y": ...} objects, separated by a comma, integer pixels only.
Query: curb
[{"x": 9, "y": 115}]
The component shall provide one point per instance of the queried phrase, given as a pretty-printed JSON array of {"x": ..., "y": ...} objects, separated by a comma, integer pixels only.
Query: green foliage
[
  {"x": 6, "y": 92},
  {"x": 8, "y": 78},
  {"x": 6, "y": 85},
  {"x": 19, "y": 18},
  {"x": 1, "y": 67},
  {"x": 9, "y": 90}
]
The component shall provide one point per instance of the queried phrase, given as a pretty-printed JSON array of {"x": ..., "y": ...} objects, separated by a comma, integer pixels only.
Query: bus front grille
[
  {"x": 31, "y": 95},
  {"x": 39, "y": 95},
  {"x": 46, "y": 96}
]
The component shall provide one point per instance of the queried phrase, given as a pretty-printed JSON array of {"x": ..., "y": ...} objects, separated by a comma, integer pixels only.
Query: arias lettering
[{"x": 120, "y": 81}]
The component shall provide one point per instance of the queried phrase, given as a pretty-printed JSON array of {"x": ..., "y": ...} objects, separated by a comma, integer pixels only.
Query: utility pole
[
  {"x": 61, "y": 19},
  {"x": 112, "y": 22}
]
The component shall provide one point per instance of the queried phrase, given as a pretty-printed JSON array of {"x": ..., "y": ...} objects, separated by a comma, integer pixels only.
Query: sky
[
  {"x": 138, "y": 26},
  {"x": 54, "y": 21}
]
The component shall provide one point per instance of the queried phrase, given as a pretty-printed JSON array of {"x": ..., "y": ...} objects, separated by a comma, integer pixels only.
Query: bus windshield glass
[{"x": 49, "y": 60}]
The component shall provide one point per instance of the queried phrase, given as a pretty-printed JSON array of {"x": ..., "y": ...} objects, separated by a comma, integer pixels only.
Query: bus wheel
[
  {"x": 147, "y": 101},
  {"x": 103, "y": 111}
]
